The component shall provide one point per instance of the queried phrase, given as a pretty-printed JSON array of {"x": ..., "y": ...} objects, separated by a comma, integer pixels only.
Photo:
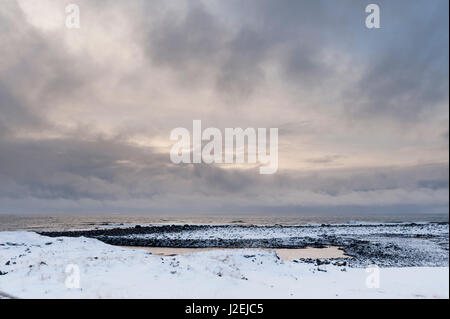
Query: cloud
[
  {"x": 409, "y": 75},
  {"x": 107, "y": 171},
  {"x": 401, "y": 68},
  {"x": 86, "y": 114}
]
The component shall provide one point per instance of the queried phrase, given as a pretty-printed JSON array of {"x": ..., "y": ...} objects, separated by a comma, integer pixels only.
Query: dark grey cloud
[
  {"x": 405, "y": 63},
  {"x": 324, "y": 159},
  {"x": 188, "y": 40},
  {"x": 408, "y": 72},
  {"x": 113, "y": 172},
  {"x": 13, "y": 112}
]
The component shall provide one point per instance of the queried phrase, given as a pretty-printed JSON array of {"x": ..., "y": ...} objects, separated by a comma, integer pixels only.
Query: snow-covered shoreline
[
  {"x": 36, "y": 265},
  {"x": 388, "y": 245}
]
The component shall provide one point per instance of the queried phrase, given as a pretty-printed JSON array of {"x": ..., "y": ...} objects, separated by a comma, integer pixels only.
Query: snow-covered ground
[{"x": 36, "y": 266}]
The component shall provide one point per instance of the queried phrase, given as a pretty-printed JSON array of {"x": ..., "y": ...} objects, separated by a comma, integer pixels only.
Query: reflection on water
[
  {"x": 66, "y": 222},
  {"x": 287, "y": 254}
]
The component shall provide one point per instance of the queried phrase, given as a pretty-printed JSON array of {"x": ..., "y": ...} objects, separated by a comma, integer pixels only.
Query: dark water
[{"x": 66, "y": 222}]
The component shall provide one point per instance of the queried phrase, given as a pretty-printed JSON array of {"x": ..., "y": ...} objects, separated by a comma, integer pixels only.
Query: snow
[{"x": 37, "y": 266}]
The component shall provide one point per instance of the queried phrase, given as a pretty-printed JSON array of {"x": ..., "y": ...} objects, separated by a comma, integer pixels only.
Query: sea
[{"x": 61, "y": 222}]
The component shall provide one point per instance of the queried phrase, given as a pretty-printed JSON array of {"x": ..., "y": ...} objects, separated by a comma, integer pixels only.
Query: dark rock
[
  {"x": 340, "y": 263},
  {"x": 322, "y": 262}
]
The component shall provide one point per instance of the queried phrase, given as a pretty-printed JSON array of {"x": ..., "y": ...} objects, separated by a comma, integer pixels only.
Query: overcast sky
[{"x": 86, "y": 114}]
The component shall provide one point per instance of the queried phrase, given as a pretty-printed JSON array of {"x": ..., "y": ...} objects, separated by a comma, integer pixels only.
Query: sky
[{"x": 86, "y": 113}]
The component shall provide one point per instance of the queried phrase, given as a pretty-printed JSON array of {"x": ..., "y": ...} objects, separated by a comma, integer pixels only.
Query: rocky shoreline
[{"x": 386, "y": 245}]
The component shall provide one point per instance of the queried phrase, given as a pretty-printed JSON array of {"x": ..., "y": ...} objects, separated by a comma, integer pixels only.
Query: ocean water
[{"x": 67, "y": 222}]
